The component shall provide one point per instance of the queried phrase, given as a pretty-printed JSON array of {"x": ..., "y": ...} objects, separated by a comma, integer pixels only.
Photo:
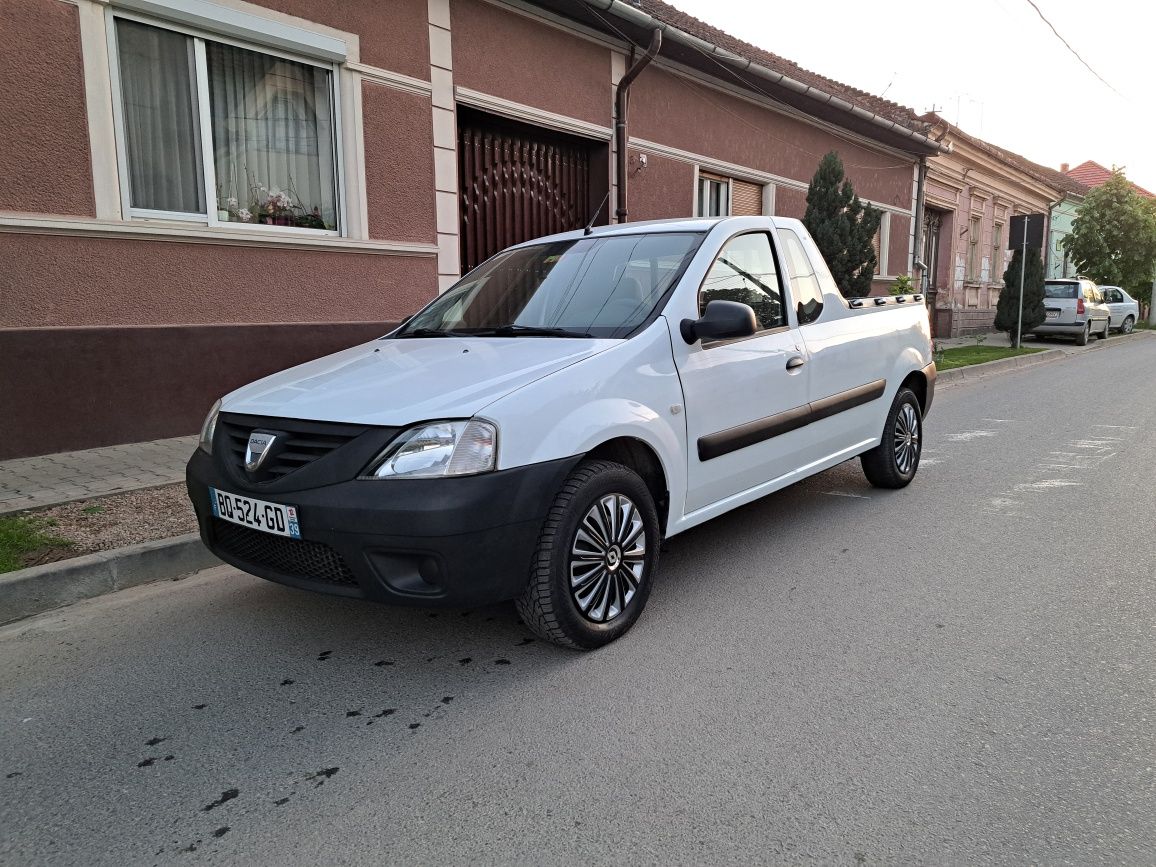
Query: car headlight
[
  {"x": 440, "y": 448},
  {"x": 205, "y": 443}
]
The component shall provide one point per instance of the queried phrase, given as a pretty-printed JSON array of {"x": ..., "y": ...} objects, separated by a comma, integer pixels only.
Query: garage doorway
[{"x": 518, "y": 182}]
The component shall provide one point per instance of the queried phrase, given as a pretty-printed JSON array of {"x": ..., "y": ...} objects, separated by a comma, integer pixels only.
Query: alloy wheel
[
  {"x": 906, "y": 438},
  {"x": 607, "y": 558}
]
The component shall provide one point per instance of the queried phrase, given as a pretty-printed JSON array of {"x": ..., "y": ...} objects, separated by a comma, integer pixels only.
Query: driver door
[{"x": 746, "y": 399}]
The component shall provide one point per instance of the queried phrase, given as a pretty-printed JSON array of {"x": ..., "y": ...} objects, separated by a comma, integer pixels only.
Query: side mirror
[{"x": 720, "y": 321}]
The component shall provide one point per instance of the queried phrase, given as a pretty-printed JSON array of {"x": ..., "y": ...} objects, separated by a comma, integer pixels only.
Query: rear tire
[
  {"x": 1082, "y": 340},
  {"x": 1128, "y": 325},
  {"x": 596, "y": 557},
  {"x": 894, "y": 462}
]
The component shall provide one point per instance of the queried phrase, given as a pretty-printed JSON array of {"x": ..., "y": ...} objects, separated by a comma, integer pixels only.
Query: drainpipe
[
  {"x": 917, "y": 253},
  {"x": 620, "y": 102},
  {"x": 642, "y": 19}
]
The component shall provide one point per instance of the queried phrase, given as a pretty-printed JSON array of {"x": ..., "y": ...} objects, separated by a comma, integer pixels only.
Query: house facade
[
  {"x": 1063, "y": 213},
  {"x": 972, "y": 193},
  {"x": 194, "y": 194}
]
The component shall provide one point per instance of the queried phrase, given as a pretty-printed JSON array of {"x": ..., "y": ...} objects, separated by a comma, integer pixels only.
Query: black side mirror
[{"x": 721, "y": 320}]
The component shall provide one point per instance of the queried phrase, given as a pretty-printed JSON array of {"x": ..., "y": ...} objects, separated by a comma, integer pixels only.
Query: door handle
[{"x": 795, "y": 362}]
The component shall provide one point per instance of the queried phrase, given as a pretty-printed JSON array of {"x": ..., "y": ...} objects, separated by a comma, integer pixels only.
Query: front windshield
[{"x": 588, "y": 287}]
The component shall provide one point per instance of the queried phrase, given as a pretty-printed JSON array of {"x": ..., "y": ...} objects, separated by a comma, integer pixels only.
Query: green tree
[
  {"x": 843, "y": 227},
  {"x": 1007, "y": 308},
  {"x": 1113, "y": 239}
]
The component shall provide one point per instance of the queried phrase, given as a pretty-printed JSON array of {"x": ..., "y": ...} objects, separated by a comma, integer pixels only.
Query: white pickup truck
[{"x": 535, "y": 432}]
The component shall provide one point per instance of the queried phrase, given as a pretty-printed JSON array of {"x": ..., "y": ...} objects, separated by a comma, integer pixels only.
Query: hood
[{"x": 396, "y": 382}]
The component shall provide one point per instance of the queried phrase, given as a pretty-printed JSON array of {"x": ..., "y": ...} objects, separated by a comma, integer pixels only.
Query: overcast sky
[{"x": 992, "y": 67}]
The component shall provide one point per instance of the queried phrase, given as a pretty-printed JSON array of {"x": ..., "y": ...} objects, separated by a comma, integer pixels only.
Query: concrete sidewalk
[{"x": 28, "y": 483}]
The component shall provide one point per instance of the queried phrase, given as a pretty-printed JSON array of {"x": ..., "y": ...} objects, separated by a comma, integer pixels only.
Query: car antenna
[{"x": 597, "y": 211}]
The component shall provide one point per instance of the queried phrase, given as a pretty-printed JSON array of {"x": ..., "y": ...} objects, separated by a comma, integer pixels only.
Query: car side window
[
  {"x": 1112, "y": 296},
  {"x": 745, "y": 271},
  {"x": 804, "y": 283}
]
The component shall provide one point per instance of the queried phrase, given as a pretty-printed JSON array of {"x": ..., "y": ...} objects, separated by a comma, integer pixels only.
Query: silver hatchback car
[{"x": 1074, "y": 308}]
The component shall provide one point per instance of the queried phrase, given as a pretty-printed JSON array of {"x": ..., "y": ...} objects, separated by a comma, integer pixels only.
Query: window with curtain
[{"x": 269, "y": 123}]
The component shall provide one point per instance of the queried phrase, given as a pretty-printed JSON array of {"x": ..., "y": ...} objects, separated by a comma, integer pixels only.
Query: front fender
[{"x": 630, "y": 391}]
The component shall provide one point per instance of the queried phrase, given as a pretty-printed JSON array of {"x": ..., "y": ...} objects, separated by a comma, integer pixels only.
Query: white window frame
[
  {"x": 710, "y": 177},
  {"x": 204, "y": 125}
]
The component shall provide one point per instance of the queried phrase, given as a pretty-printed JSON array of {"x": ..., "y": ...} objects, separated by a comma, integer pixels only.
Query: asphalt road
[{"x": 963, "y": 672}]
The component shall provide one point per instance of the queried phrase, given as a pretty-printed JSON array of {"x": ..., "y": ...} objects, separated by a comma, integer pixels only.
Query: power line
[{"x": 1067, "y": 45}]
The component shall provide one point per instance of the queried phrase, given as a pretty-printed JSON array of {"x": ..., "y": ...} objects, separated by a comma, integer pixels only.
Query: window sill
[{"x": 185, "y": 233}]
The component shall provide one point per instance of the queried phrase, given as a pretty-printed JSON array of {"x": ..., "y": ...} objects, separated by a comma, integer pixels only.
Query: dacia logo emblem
[{"x": 260, "y": 445}]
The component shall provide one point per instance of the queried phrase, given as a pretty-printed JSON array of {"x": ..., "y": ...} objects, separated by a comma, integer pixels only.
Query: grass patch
[
  {"x": 21, "y": 536},
  {"x": 963, "y": 356}
]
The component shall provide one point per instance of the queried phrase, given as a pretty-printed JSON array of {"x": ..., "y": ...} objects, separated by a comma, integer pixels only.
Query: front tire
[
  {"x": 1107, "y": 328},
  {"x": 596, "y": 557},
  {"x": 894, "y": 462}
]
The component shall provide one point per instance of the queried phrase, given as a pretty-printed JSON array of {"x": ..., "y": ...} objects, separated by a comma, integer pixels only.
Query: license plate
[
  {"x": 1053, "y": 314},
  {"x": 258, "y": 514}
]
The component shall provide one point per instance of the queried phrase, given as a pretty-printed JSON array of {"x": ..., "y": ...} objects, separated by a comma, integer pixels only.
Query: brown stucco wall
[
  {"x": 897, "y": 257},
  {"x": 74, "y": 388},
  {"x": 399, "y": 179},
  {"x": 50, "y": 280},
  {"x": 508, "y": 55},
  {"x": 45, "y": 162},
  {"x": 671, "y": 110},
  {"x": 790, "y": 202},
  {"x": 664, "y": 189},
  {"x": 393, "y": 35}
]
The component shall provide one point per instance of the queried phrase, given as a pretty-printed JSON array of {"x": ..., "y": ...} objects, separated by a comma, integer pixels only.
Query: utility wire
[{"x": 1075, "y": 53}]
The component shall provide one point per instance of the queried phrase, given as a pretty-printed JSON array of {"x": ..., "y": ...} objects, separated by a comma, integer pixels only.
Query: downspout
[
  {"x": 620, "y": 104},
  {"x": 917, "y": 253},
  {"x": 643, "y": 19}
]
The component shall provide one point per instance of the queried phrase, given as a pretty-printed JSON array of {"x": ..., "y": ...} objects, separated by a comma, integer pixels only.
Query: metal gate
[{"x": 517, "y": 182}]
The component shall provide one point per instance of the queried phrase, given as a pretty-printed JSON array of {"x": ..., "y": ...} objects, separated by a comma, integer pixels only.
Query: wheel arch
[
  {"x": 641, "y": 457},
  {"x": 917, "y": 382}
]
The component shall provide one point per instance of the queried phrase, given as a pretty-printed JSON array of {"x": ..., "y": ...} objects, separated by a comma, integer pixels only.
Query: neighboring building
[
  {"x": 194, "y": 194},
  {"x": 1063, "y": 213},
  {"x": 1092, "y": 174},
  {"x": 972, "y": 193}
]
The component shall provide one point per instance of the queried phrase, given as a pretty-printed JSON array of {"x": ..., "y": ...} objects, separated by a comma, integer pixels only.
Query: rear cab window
[{"x": 804, "y": 281}]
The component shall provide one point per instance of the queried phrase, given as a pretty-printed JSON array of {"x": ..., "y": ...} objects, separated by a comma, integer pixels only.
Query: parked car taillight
[{"x": 1079, "y": 306}]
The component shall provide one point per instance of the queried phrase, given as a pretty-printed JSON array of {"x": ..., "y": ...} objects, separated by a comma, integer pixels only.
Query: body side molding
[{"x": 724, "y": 442}]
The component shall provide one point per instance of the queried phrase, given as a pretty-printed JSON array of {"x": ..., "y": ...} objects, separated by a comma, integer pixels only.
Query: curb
[
  {"x": 979, "y": 371},
  {"x": 53, "y": 585}
]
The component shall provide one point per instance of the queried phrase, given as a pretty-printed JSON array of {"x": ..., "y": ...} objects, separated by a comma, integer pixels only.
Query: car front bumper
[{"x": 441, "y": 542}]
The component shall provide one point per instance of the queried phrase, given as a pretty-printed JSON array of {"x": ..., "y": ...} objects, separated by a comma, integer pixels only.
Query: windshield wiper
[
  {"x": 427, "y": 332},
  {"x": 525, "y": 331}
]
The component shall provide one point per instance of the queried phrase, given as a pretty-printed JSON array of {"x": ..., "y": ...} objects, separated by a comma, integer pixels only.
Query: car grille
[
  {"x": 299, "y": 558},
  {"x": 303, "y": 444}
]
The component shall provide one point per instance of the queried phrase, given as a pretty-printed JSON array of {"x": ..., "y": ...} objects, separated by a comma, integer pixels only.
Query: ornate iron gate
[{"x": 517, "y": 182}]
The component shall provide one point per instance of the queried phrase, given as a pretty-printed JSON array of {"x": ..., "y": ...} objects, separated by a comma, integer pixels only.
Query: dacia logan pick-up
[{"x": 536, "y": 431}]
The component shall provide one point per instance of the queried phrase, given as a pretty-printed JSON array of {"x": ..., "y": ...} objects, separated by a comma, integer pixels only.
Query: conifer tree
[
  {"x": 843, "y": 227},
  {"x": 1007, "y": 308}
]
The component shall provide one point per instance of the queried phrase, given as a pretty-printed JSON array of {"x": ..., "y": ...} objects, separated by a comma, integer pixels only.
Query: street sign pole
[{"x": 1023, "y": 265}]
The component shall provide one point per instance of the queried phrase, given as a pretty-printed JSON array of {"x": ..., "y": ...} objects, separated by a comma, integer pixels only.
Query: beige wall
[{"x": 970, "y": 183}]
